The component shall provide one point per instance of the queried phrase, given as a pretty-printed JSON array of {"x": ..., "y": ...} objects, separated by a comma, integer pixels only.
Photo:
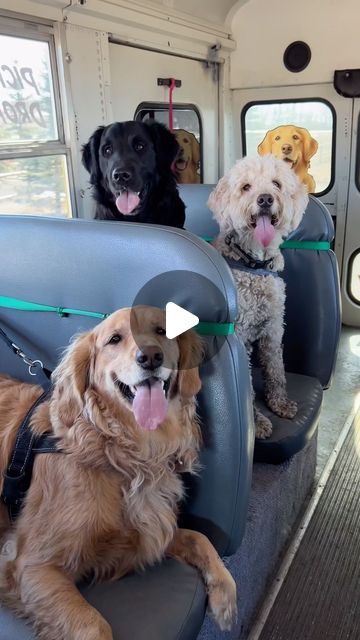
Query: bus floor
[
  {"x": 342, "y": 397},
  {"x": 315, "y": 591},
  {"x": 280, "y": 494},
  {"x": 315, "y": 595}
]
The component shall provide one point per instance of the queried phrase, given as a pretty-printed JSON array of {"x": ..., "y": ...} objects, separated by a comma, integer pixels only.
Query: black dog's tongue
[{"x": 127, "y": 202}]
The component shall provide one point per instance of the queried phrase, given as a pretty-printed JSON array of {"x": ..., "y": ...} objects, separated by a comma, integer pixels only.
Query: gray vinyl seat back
[
  {"x": 313, "y": 308},
  {"x": 101, "y": 267}
]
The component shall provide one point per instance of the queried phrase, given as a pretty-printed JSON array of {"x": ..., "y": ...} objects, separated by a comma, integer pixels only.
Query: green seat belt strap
[
  {"x": 23, "y": 305},
  {"x": 215, "y": 328},
  {"x": 203, "y": 328},
  {"x": 314, "y": 245}
]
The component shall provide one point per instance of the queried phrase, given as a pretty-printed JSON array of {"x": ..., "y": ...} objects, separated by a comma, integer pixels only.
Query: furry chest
[
  {"x": 151, "y": 509},
  {"x": 260, "y": 300},
  {"x": 152, "y": 500}
]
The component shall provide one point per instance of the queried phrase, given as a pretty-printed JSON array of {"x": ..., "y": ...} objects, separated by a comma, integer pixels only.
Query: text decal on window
[{"x": 27, "y": 110}]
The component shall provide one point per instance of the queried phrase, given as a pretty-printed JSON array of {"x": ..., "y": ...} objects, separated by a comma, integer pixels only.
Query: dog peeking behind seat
[
  {"x": 130, "y": 167},
  {"x": 258, "y": 203},
  {"x": 188, "y": 159},
  {"x": 295, "y": 146},
  {"x": 106, "y": 503}
]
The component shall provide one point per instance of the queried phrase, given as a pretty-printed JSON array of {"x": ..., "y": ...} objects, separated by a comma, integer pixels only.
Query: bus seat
[
  {"x": 101, "y": 266},
  {"x": 199, "y": 219},
  {"x": 312, "y": 320}
]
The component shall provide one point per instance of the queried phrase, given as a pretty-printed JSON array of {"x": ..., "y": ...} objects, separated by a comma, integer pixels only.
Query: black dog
[{"x": 130, "y": 170}]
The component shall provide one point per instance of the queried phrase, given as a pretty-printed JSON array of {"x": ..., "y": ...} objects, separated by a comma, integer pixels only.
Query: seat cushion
[
  {"x": 289, "y": 436},
  {"x": 167, "y": 602}
]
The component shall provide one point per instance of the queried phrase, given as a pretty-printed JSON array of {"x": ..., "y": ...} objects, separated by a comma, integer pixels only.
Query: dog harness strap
[
  {"x": 246, "y": 258},
  {"x": 255, "y": 271},
  {"x": 17, "y": 478}
]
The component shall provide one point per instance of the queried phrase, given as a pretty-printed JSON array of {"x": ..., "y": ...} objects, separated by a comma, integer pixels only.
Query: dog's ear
[
  {"x": 310, "y": 144},
  {"x": 195, "y": 149},
  {"x": 191, "y": 353},
  {"x": 165, "y": 144},
  {"x": 219, "y": 200},
  {"x": 300, "y": 200},
  {"x": 265, "y": 146},
  {"x": 90, "y": 154},
  {"x": 71, "y": 379}
]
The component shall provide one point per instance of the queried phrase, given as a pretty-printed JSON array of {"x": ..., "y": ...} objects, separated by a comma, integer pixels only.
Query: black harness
[
  {"x": 17, "y": 478},
  {"x": 247, "y": 262}
]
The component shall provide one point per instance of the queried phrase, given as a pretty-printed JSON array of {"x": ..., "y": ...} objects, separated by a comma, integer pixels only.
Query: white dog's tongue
[
  {"x": 127, "y": 201},
  {"x": 150, "y": 405},
  {"x": 264, "y": 231}
]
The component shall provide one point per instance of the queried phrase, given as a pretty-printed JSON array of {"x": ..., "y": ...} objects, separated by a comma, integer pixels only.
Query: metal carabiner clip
[{"x": 34, "y": 363}]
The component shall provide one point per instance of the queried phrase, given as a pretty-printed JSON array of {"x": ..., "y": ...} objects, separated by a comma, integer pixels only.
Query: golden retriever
[
  {"x": 107, "y": 504},
  {"x": 188, "y": 159},
  {"x": 296, "y": 146}
]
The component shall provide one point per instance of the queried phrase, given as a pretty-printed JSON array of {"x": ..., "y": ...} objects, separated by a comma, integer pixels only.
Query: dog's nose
[
  {"x": 265, "y": 200},
  {"x": 120, "y": 175},
  {"x": 149, "y": 357},
  {"x": 286, "y": 148}
]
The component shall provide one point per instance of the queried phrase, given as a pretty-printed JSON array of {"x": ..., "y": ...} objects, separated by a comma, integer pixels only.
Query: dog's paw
[
  {"x": 222, "y": 601},
  {"x": 283, "y": 407},
  {"x": 263, "y": 427},
  {"x": 99, "y": 630}
]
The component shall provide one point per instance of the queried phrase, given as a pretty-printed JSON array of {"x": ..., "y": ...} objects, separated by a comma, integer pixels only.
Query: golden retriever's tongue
[
  {"x": 150, "y": 405},
  {"x": 127, "y": 201},
  {"x": 264, "y": 231}
]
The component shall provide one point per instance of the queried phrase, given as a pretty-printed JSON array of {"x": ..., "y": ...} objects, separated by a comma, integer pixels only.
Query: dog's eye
[
  {"x": 277, "y": 184},
  {"x": 138, "y": 145},
  {"x": 186, "y": 140},
  {"x": 115, "y": 339},
  {"x": 246, "y": 187},
  {"x": 295, "y": 137},
  {"x": 107, "y": 150},
  {"x": 277, "y": 138},
  {"x": 160, "y": 331}
]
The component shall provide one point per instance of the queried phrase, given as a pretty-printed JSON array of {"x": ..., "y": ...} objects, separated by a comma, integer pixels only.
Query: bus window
[
  {"x": 33, "y": 156},
  {"x": 314, "y": 115},
  {"x": 187, "y": 128}
]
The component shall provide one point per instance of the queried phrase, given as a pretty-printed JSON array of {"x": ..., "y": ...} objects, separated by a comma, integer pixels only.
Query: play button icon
[
  {"x": 178, "y": 320},
  {"x": 188, "y": 300}
]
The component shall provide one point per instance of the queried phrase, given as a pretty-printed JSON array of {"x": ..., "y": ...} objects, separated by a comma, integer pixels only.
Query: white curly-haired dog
[{"x": 258, "y": 203}]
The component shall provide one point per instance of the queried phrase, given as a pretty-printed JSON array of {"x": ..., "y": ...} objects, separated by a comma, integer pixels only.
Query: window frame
[
  {"x": 357, "y": 154},
  {"x": 164, "y": 106},
  {"x": 41, "y": 31},
  {"x": 351, "y": 261},
  {"x": 253, "y": 103}
]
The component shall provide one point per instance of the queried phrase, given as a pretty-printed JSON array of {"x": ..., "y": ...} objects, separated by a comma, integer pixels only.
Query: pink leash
[{"x": 171, "y": 112}]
